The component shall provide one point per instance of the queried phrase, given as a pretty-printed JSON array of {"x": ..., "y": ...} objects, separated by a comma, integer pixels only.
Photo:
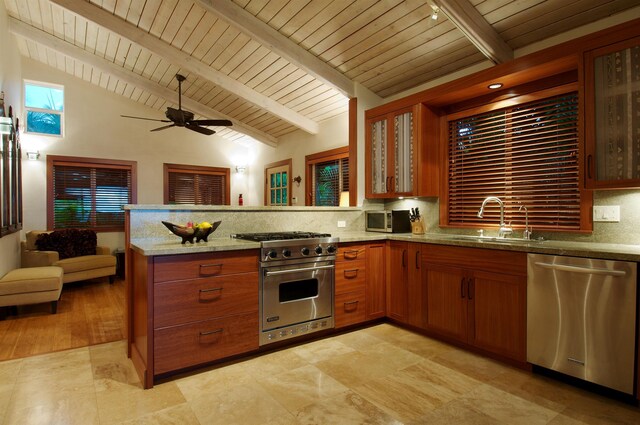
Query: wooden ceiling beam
[
  {"x": 467, "y": 19},
  {"x": 276, "y": 42},
  {"x": 67, "y": 49},
  {"x": 185, "y": 61}
]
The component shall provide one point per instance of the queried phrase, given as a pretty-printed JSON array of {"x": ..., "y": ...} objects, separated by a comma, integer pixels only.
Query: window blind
[
  {"x": 197, "y": 187},
  {"x": 525, "y": 155},
  {"x": 86, "y": 196},
  {"x": 330, "y": 178}
]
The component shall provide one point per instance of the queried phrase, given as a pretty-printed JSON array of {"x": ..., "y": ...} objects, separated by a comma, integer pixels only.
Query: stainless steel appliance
[
  {"x": 297, "y": 279},
  {"x": 388, "y": 221},
  {"x": 581, "y": 318}
]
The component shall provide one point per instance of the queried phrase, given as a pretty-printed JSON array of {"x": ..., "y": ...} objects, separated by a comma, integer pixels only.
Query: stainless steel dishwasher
[{"x": 581, "y": 318}]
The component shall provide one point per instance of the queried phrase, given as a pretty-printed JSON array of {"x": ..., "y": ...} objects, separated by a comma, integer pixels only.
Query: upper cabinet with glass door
[
  {"x": 398, "y": 159},
  {"x": 612, "y": 89}
]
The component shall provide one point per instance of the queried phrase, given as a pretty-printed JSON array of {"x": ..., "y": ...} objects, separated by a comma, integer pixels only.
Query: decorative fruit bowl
[{"x": 198, "y": 231}]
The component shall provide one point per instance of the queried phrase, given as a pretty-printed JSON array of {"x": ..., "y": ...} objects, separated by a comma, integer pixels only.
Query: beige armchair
[{"x": 76, "y": 268}]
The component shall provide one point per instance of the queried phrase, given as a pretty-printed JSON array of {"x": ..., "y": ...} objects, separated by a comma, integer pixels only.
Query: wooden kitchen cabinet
[
  {"x": 191, "y": 309},
  {"x": 401, "y": 153},
  {"x": 478, "y": 297},
  {"x": 611, "y": 92},
  {"x": 397, "y": 275},
  {"x": 359, "y": 283}
]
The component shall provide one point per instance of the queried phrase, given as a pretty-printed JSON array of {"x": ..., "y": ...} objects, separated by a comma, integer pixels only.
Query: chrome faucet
[
  {"x": 527, "y": 233},
  {"x": 504, "y": 229}
]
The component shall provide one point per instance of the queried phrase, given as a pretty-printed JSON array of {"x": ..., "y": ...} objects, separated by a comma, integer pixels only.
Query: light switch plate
[
  {"x": 606, "y": 213},
  {"x": 342, "y": 223}
]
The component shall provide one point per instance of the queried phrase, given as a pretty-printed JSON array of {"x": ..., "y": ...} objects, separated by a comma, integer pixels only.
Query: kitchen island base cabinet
[{"x": 188, "y": 310}]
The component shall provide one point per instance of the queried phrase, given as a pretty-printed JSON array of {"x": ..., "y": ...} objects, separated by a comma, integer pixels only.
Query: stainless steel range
[{"x": 297, "y": 278}]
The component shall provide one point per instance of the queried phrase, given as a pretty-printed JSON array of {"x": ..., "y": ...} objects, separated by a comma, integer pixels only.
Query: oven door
[{"x": 296, "y": 293}]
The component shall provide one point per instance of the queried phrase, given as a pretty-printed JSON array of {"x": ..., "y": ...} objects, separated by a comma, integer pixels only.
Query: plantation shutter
[
  {"x": 330, "y": 178},
  {"x": 196, "y": 187},
  {"x": 86, "y": 196},
  {"x": 525, "y": 155}
]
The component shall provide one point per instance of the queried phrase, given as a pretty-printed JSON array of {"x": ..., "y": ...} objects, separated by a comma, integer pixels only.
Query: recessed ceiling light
[{"x": 495, "y": 86}]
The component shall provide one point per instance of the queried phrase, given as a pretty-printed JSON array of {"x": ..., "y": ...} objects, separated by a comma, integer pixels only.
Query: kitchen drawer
[
  {"x": 350, "y": 276},
  {"x": 192, "y": 344},
  {"x": 201, "y": 299},
  {"x": 350, "y": 252},
  {"x": 192, "y": 266},
  {"x": 350, "y": 308}
]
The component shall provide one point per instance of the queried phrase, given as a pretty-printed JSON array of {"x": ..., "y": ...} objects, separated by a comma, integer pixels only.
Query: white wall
[
  {"x": 10, "y": 84},
  {"x": 94, "y": 128}
]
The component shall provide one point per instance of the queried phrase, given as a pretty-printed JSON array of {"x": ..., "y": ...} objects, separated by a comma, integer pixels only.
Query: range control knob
[
  {"x": 304, "y": 251},
  {"x": 272, "y": 254},
  {"x": 331, "y": 249},
  {"x": 286, "y": 253},
  {"x": 318, "y": 250}
]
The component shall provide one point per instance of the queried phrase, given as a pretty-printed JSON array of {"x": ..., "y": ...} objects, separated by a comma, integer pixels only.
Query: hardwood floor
[{"x": 89, "y": 313}]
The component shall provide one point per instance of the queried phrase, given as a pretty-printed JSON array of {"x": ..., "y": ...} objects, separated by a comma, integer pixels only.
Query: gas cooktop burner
[{"x": 279, "y": 236}]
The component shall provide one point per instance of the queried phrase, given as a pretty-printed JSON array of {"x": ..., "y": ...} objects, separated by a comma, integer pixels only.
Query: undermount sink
[{"x": 490, "y": 239}]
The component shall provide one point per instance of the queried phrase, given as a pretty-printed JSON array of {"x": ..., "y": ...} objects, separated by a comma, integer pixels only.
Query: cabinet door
[
  {"x": 375, "y": 283},
  {"x": 497, "y": 313},
  {"x": 446, "y": 300},
  {"x": 397, "y": 281},
  {"x": 403, "y": 155},
  {"x": 376, "y": 157},
  {"x": 612, "y": 94},
  {"x": 416, "y": 288}
]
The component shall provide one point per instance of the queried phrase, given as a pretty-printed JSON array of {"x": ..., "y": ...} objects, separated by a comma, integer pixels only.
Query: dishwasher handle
[{"x": 585, "y": 270}]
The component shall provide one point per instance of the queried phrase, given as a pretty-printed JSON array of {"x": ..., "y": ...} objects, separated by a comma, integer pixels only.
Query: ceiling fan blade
[
  {"x": 164, "y": 127},
  {"x": 202, "y": 130},
  {"x": 225, "y": 123},
  {"x": 141, "y": 118}
]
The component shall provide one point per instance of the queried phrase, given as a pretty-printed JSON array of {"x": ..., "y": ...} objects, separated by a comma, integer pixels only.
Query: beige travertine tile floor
[{"x": 378, "y": 375}]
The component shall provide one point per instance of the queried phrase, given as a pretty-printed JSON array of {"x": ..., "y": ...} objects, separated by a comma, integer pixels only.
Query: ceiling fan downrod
[{"x": 180, "y": 79}]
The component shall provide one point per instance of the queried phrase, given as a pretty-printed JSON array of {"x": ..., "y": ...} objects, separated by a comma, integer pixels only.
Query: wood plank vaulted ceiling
[{"x": 275, "y": 66}]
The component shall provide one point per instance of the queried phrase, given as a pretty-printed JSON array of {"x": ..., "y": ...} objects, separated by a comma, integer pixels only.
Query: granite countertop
[{"x": 150, "y": 247}]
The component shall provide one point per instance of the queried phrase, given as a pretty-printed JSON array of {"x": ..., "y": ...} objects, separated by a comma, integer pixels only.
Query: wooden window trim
[
  {"x": 311, "y": 160},
  {"x": 196, "y": 169},
  {"x": 287, "y": 162},
  {"x": 586, "y": 196},
  {"x": 53, "y": 160}
]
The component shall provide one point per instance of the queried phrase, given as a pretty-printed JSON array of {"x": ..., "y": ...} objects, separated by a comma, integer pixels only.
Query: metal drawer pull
[
  {"x": 352, "y": 273},
  {"x": 580, "y": 362},
  {"x": 576, "y": 269},
  {"x": 204, "y": 266},
  {"x": 351, "y": 255},
  {"x": 217, "y": 331},
  {"x": 211, "y": 290},
  {"x": 306, "y": 269}
]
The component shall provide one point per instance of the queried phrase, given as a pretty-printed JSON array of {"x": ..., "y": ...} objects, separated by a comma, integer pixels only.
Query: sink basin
[{"x": 489, "y": 239}]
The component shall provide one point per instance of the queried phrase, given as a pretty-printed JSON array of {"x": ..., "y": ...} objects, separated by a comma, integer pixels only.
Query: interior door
[{"x": 277, "y": 186}]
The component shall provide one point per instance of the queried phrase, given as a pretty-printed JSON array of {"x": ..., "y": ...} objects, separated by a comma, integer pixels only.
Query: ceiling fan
[{"x": 181, "y": 118}]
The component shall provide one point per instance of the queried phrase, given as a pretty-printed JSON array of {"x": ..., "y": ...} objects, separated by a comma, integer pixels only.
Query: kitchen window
[
  {"x": 192, "y": 184},
  {"x": 327, "y": 176},
  {"x": 44, "y": 108},
  {"x": 89, "y": 193},
  {"x": 525, "y": 151}
]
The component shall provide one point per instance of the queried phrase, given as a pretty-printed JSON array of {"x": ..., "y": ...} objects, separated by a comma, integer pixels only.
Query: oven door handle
[{"x": 306, "y": 269}]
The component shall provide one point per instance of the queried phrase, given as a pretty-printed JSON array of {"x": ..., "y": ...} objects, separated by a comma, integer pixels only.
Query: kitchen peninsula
[{"x": 179, "y": 319}]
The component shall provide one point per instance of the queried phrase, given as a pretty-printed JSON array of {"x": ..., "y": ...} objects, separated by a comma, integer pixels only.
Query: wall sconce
[
  {"x": 297, "y": 180},
  {"x": 240, "y": 169},
  {"x": 6, "y": 125},
  {"x": 33, "y": 156}
]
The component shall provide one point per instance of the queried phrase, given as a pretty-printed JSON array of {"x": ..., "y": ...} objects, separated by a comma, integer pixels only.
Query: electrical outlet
[
  {"x": 342, "y": 223},
  {"x": 294, "y": 200},
  {"x": 606, "y": 213}
]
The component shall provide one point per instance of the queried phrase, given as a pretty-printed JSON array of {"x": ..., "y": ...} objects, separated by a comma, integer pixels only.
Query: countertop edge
[{"x": 567, "y": 248}]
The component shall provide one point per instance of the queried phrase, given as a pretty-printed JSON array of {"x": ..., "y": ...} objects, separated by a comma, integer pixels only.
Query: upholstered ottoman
[{"x": 31, "y": 285}]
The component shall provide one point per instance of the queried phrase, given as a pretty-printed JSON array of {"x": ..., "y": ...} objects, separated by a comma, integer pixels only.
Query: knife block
[{"x": 417, "y": 227}]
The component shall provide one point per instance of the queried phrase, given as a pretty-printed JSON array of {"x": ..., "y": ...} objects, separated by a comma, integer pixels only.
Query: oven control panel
[
  {"x": 298, "y": 249},
  {"x": 296, "y": 330}
]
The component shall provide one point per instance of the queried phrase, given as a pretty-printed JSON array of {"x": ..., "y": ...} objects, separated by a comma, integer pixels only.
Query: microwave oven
[{"x": 388, "y": 221}]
